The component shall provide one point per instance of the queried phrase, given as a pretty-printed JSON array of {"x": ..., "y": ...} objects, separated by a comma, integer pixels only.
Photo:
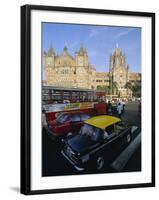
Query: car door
[
  {"x": 114, "y": 140},
  {"x": 124, "y": 133},
  {"x": 105, "y": 147}
]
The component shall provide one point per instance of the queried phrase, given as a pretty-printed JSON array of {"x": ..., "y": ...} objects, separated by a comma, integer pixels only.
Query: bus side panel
[{"x": 50, "y": 116}]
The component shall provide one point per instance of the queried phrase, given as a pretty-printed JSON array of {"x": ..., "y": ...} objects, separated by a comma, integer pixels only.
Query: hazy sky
[{"x": 99, "y": 41}]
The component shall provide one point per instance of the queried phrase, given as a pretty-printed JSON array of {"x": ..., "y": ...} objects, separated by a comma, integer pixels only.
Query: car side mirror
[{"x": 69, "y": 135}]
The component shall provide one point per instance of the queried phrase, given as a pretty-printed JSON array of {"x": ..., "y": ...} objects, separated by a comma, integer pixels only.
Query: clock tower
[
  {"x": 81, "y": 58},
  {"x": 49, "y": 57},
  {"x": 82, "y": 67}
]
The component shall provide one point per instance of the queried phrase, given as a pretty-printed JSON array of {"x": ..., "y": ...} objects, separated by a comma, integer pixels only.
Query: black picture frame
[{"x": 26, "y": 86}]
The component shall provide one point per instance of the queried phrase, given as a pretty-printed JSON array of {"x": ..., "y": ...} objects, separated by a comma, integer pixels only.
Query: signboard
[{"x": 68, "y": 106}]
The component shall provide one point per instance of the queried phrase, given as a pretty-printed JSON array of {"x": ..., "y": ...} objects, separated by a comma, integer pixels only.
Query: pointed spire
[
  {"x": 117, "y": 50},
  {"x": 82, "y": 50},
  {"x": 51, "y": 51},
  {"x": 65, "y": 48}
]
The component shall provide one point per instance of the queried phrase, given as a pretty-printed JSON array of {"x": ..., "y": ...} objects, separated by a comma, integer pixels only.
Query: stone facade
[
  {"x": 76, "y": 72},
  {"x": 65, "y": 71},
  {"x": 119, "y": 71}
]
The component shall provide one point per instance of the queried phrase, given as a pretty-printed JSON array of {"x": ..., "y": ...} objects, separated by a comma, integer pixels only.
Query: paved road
[
  {"x": 131, "y": 114},
  {"x": 54, "y": 164}
]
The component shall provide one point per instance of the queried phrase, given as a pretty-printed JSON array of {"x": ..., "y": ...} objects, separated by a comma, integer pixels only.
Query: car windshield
[
  {"x": 62, "y": 118},
  {"x": 91, "y": 131}
]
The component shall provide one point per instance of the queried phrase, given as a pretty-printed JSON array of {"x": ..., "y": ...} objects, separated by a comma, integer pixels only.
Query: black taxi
[{"x": 98, "y": 138}]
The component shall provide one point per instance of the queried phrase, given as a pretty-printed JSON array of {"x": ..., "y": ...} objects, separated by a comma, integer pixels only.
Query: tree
[
  {"x": 114, "y": 88},
  {"x": 103, "y": 88},
  {"x": 135, "y": 87},
  {"x": 99, "y": 87},
  {"x": 128, "y": 85}
]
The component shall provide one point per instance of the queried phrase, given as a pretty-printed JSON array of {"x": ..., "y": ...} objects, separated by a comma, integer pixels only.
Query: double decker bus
[
  {"x": 52, "y": 95},
  {"x": 58, "y": 99}
]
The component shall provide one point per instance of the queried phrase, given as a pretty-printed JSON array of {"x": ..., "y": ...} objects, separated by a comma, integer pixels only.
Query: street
[
  {"x": 131, "y": 114},
  {"x": 53, "y": 163}
]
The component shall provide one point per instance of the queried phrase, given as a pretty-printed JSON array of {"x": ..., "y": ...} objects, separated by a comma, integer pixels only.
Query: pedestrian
[
  {"x": 119, "y": 109},
  {"x": 123, "y": 106},
  {"x": 109, "y": 108}
]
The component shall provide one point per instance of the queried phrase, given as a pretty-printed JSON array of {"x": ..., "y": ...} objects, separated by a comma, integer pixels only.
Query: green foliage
[
  {"x": 135, "y": 87},
  {"x": 103, "y": 88},
  {"x": 128, "y": 85},
  {"x": 114, "y": 88}
]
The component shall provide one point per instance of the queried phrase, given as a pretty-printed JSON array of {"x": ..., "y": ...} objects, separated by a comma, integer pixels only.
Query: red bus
[
  {"x": 57, "y": 99},
  {"x": 52, "y": 94}
]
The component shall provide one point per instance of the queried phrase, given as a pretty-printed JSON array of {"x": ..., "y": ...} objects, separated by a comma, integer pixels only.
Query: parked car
[
  {"x": 99, "y": 137},
  {"x": 67, "y": 123}
]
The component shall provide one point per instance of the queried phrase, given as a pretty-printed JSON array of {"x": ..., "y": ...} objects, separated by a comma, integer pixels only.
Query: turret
[
  {"x": 81, "y": 57},
  {"x": 49, "y": 57},
  {"x": 51, "y": 52}
]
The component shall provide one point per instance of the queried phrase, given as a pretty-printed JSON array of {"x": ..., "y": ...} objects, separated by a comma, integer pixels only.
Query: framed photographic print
[{"x": 87, "y": 99}]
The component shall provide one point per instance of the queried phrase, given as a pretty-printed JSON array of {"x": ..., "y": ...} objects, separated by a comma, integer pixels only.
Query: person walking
[{"x": 119, "y": 109}]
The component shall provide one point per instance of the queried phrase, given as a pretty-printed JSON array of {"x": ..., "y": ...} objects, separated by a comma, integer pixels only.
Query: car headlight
[{"x": 85, "y": 158}]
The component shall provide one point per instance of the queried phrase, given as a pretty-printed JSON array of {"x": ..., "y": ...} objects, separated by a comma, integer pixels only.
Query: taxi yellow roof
[{"x": 102, "y": 121}]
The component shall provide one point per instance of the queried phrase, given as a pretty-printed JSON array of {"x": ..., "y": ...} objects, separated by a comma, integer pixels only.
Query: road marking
[{"x": 124, "y": 157}]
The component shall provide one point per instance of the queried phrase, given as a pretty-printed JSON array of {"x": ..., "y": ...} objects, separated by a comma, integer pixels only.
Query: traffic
[{"x": 86, "y": 130}]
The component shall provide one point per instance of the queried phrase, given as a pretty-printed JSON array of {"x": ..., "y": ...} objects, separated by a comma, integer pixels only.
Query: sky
[{"x": 99, "y": 42}]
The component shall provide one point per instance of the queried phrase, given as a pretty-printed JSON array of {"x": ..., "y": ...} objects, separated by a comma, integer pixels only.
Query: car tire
[
  {"x": 128, "y": 138},
  {"x": 99, "y": 162}
]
